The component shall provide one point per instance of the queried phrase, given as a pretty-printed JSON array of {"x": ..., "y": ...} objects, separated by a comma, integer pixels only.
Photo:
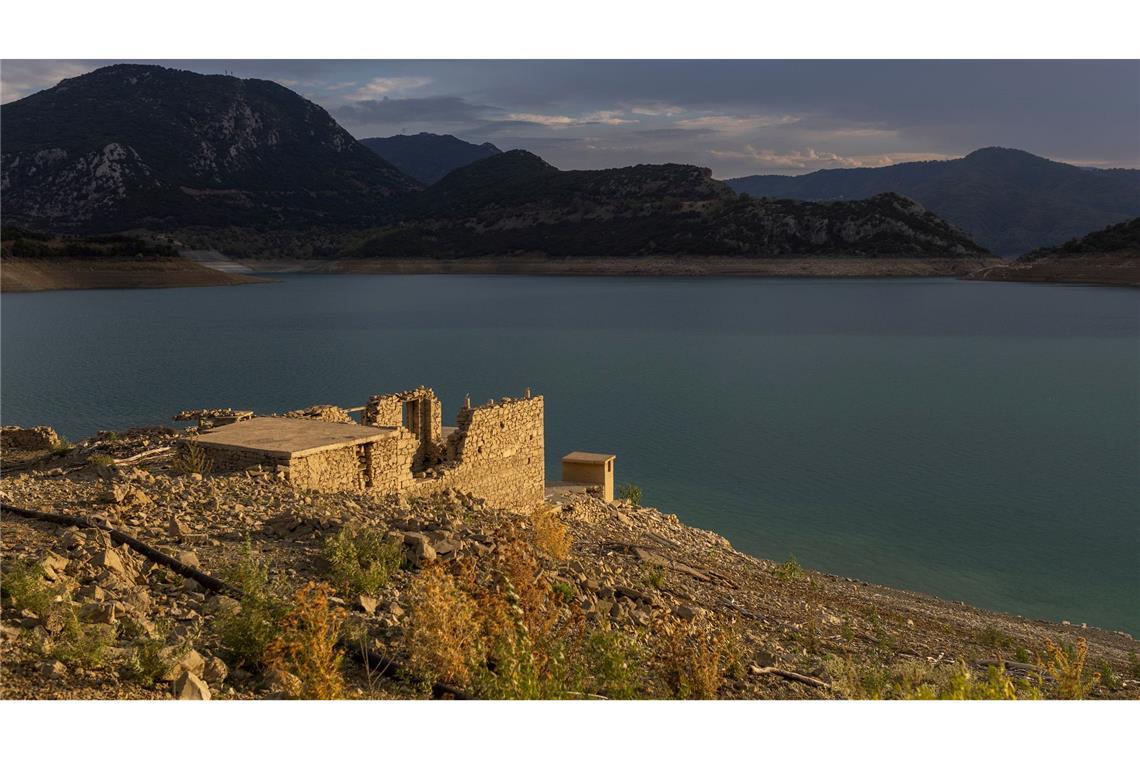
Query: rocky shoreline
[{"x": 679, "y": 612}]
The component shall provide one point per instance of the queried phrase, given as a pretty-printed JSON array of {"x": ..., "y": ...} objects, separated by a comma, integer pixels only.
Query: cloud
[
  {"x": 734, "y": 123},
  {"x": 439, "y": 109},
  {"x": 19, "y": 79},
  {"x": 381, "y": 87},
  {"x": 612, "y": 118},
  {"x": 655, "y": 109},
  {"x": 811, "y": 159}
]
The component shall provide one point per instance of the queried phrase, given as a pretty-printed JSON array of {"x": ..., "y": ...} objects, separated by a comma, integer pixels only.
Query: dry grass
[
  {"x": 441, "y": 633},
  {"x": 1067, "y": 666},
  {"x": 550, "y": 533},
  {"x": 695, "y": 660},
  {"x": 307, "y": 646},
  {"x": 918, "y": 680}
]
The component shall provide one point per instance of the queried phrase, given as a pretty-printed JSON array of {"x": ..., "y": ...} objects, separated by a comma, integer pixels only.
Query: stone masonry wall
[
  {"x": 391, "y": 462},
  {"x": 497, "y": 454},
  {"x": 333, "y": 470},
  {"x": 387, "y": 410},
  {"x": 232, "y": 460}
]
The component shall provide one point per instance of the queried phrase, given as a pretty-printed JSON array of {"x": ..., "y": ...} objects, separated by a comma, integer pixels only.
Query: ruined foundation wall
[
  {"x": 499, "y": 451},
  {"x": 333, "y": 470},
  {"x": 391, "y": 462},
  {"x": 424, "y": 419},
  {"x": 233, "y": 460}
]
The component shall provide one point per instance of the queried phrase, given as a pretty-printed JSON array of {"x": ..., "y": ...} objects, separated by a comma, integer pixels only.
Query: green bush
[
  {"x": 23, "y": 587},
  {"x": 246, "y": 633},
  {"x": 81, "y": 644},
  {"x": 361, "y": 560},
  {"x": 790, "y": 570},
  {"x": 630, "y": 492}
]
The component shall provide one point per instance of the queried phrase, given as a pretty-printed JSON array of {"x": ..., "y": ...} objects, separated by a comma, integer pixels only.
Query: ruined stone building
[{"x": 494, "y": 451}]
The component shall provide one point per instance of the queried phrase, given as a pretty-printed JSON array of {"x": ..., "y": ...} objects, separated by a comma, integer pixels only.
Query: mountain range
[
  {"x": 428, "y": 158},
  {"x": 1009, "y": 201},
  {"x": 151, "y": 149},
  {"x": 1122, "y": 240},
  {"x": 132, "y": 146},
  {"x": 517, "y": 204}
]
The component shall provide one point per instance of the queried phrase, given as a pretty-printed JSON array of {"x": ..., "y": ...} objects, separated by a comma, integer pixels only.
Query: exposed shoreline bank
[
  {"x": 34, "y": 275},
  {"x": 644, "y": 571},
  {"x": 631, "y": 267},
  {"x": 1120, "y": 271}
]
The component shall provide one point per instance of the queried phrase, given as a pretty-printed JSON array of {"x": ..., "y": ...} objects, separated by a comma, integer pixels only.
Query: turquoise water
[{"x": 978, "y": 441}]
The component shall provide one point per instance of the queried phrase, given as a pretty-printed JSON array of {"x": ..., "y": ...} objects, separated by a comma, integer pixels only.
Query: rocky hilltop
[
  {"x": 426, "y": 157},
  {"x": 1010, "y": 201},
  {"x": 517, "y": 204},
  {"x": 130, "y": 572},
  {"x": 131, "y": 146},
  {"x": 1106, "y": 257}
]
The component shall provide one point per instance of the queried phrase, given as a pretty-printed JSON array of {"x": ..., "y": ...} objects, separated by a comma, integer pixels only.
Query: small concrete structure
[{"x": 595, "y": 469}]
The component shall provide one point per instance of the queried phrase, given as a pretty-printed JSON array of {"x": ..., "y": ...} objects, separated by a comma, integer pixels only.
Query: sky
[{"x": 735, "y": 117}]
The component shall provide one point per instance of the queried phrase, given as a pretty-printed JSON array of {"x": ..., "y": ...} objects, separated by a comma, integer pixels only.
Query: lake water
[{"x": 978, "y": 441}]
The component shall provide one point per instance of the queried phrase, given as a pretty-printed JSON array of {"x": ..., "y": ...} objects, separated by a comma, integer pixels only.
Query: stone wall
[
  {"x": 418, "y": 411},
  {"x": 390, "y": 462},
  {"x": 340, "y": 469},
  {"x": 233, "y": 460},
  {"x": 496, "y": 453}
]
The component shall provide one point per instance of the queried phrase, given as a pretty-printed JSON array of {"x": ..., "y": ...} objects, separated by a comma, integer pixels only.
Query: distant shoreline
[{"x": 632, "y": 267}]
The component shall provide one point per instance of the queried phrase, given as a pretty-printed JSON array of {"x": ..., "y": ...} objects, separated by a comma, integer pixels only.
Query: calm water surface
[{"x": 978, "y": 441}]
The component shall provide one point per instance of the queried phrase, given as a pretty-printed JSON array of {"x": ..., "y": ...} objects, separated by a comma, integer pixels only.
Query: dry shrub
[
  {"x": 498, "y": 628},
  {"x": 695, "y": 660},
  {"x": 532, "y": 640},
  {"x": 192, "y": 459},
  {"x": 1067, "y": 666},
  {"x": 550, "y": 533},
  {"x": 919, "y": 680},
  {"x": 441, "y": 633},
  {"x": 307, "y": 646}
]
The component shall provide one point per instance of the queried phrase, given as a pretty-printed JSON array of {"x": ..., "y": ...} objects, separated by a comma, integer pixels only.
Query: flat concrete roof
[
  {"x": 290, "y": 437},
  {"x": 585, "y": 457}
]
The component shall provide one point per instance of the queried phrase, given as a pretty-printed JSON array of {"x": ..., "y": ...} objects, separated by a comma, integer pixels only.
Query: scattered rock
[
  {"x": 685, "y": 612},
  {"x": 367, "y": 603},
  {"x": 282, "y": 685},
  {"x": 111, "y": 560},
  {"x": 176, "y": 528},
  {"x": 215, "y": 671},
  {"x": 420, "y": 549},
  {"x": 53, "y": 565},
  {"x": 53, "y": 669},
  {"x": 191, "y": 662},
  {"x": 190, "y": 686}
]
